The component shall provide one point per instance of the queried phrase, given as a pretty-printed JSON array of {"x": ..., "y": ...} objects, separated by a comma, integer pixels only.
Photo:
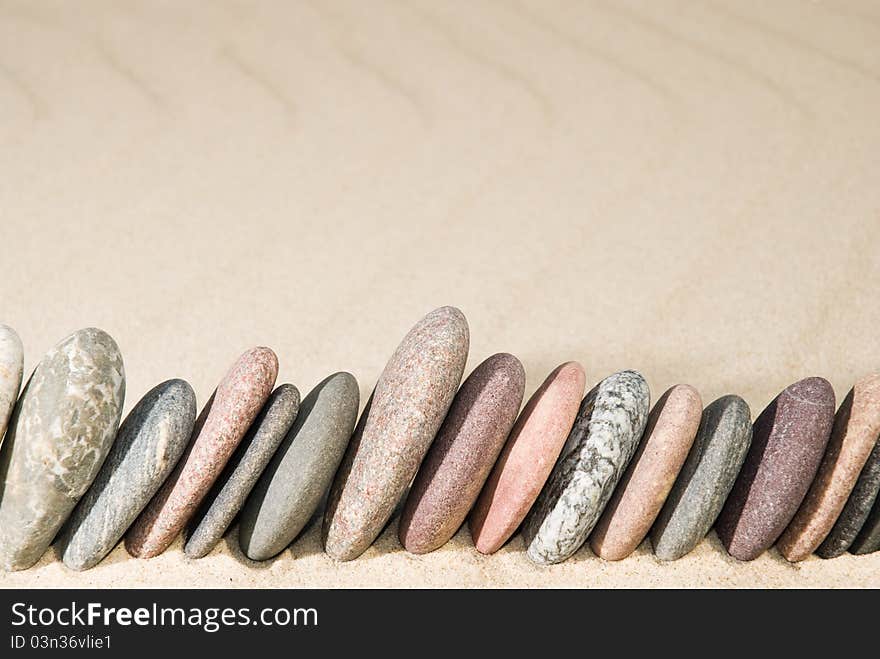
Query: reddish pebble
[
  {"x": 466, "y": 447},
  {"x": 855, "y": 432},
  {"x": 220, "y": 428},
  {"x": 650, "y": 476},
  {"x": 789, "y": 439},
  {"x": 408, "y": 406},
  {"x": 527, "y": 458}
]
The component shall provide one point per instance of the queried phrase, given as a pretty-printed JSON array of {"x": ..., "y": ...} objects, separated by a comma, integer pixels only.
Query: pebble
[
  {"x": 463, "y": 453},
  {"x": 219, "y": 430},
  {"x": 868, "y": 540},
  {"x": 604, "y": 438},
  {"x": 229, "y": 493},
  {"x": 61, "y": 430},
  {"x": 857, "y": 509},
  {"x": 299, "y": 475},
  {"x": 637, "y": 500},
  {"x": 527, "y": 458},
  {"x": 149, "y": 443},
  {"x": 706, "y": 478},
  {"x": 410, "y": 401},
  {"x": 11, "y": 369},
  {"x": 789, "y": 439},
  {"x": 855, "y": 432}
]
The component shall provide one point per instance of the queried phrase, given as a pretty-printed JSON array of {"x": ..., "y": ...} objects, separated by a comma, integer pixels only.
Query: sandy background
[{"x": 691, "y": 189}]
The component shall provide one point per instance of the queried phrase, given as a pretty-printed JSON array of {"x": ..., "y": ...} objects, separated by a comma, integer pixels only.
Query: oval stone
[
  {"x": 219, "y": 430},
  {"x": 461, "y": 457},
  {"x": 231, "y": 490},
  {"x": 868, "y": 540},
  {"x": 788, "y": 440},
  {"x": 410, "y": 401},
  {"x": 602, "y": 441},
  {"x": 60, "y": 432},
  {"x": 149, "y": 443},
  {"x": 11, "y": 369},
  {"x": 855, "y": 432},
  {"x": 527, "y": 458},
  {"x": 857, "y": 509},
  {"x": 292, "y": 487},
  {"x": 637, "y": 500},
  {"x": 705, "y": 480}
]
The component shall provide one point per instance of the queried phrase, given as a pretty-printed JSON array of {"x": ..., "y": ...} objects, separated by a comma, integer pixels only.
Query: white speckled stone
[
  {"x": 61, "y": 430},
  {"x": 603, "y": 440},
  {"x": 11, "y": 367}
]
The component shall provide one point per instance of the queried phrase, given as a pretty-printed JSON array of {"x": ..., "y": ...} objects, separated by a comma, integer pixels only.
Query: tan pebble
[{"x": 650, "y": 476}]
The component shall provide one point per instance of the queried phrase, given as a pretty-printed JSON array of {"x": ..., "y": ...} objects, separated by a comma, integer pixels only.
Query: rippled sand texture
[{"x": 690, "y": 189}]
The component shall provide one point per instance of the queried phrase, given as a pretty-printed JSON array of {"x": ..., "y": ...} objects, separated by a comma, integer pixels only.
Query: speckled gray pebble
[
  {"x": 857, "y": 509},
  {"x": 705, "y": 479},
  {"x": 604, "y": 438},
  {"x": 11, "y": 367},
  {"x": 231, "y": 490},
  {"x": 61, "y": 430},
  {"x": 149, "y": 443},
  {"x": 292, "y": 487}
]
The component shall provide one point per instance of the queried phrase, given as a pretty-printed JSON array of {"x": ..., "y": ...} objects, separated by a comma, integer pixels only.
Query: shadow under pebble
[
  {"x": 308, "y": 541},
  {"x": 234, "y": 549}
]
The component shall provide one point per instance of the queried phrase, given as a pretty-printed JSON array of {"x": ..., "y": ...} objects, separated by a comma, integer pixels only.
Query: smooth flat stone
[
  {"x": 229, "y": 493},
  {"x": 705, "y": 480},
  {"x": 637, "y": 500},
  {"x": 292, "y": 487},
  {"x": 868, "y": 540},
  {"x": 60, "y": 432},
  {"x": 788, "y": 440},
  {"x": 527, "y": 458},
  {"x": 459, "y": 461},
  {"x": 149, "y": 443},
  {"x": 602, "y": 441},
  {"x": 857, "y": 509},
  {"x": 219, "y": 430},
  {"x": 855, "y": 432},
  {"x": 11, "y": 369},
  {"x": 410, "y": 401}
]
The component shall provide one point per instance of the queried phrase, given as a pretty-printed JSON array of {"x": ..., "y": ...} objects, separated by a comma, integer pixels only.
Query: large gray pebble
[
  {"x": 291, "y": 488},
  {"x": 61, "y": 430}
]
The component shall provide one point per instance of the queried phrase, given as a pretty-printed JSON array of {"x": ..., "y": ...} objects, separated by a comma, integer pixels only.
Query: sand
[{"x": 683, "y": 188}]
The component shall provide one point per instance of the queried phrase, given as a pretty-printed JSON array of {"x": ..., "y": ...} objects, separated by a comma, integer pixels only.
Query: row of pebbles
[{"x": 566, "y": 469}]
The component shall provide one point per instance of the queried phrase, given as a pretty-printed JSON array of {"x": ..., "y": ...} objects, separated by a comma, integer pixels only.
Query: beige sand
[{"x": 690, "y": 189}]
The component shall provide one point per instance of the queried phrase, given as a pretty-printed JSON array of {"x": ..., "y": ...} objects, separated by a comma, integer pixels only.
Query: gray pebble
[
  {"x": 291, "y": 488},
  {"x": 11, "y": 367},
  {"x": 149, "y": 443},
  {"x": 231, "y": 490},
  {"x": 61, "y": 430},
  {"x": 868, "y": 539},
  {"x": 705, "y": 480}
]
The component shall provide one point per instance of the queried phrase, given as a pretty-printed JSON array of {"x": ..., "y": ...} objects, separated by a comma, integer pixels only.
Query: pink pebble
[
  {"x": 220, "y": 428},
  {"x": 527, "y": 458}
]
